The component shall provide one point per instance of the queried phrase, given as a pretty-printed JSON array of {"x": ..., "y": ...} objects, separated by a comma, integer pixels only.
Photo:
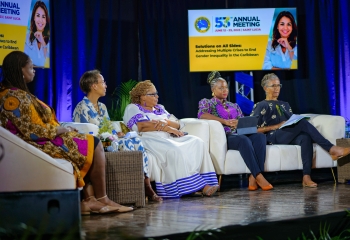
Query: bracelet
[{"x": 291, "y": 50}]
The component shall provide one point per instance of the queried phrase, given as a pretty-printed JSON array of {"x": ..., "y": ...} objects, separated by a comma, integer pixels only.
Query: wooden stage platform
[{"x": 287, "y": 211}]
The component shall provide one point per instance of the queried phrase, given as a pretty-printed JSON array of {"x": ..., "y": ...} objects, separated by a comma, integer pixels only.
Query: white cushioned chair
[
  {"x": 26, "y": 168},
  {"x": 278, "y": 157}
]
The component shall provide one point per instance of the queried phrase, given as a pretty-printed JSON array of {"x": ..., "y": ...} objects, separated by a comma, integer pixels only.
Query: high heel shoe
[
  {"x": 264, "y": 188},
  {"x": 252, "y": 188},
  {"x": 338, "y": 155}
]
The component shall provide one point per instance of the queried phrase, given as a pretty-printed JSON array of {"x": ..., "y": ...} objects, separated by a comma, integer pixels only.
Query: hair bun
[{"x": 213, "y": 75}]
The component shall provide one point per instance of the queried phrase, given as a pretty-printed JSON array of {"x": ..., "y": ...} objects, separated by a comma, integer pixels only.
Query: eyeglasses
[
  {"x": 223, "y": 88},
  {"x": 103, "y": 83},
  {"x": 152, "y": 94},
  {"x": 275, "y": 86}
]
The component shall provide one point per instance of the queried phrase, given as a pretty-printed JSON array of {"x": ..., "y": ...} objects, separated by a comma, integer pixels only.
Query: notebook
[{"x": 247, "y": 125}]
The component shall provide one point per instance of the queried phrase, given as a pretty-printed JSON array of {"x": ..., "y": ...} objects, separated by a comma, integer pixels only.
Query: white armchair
[{"x": 278, "y": 157}]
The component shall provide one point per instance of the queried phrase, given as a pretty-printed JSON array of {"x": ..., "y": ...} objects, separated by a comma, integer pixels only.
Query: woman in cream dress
[{"x": 184, "y": 161}]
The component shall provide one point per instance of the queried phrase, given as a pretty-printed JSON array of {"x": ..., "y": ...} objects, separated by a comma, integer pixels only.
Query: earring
[{"x": 213, "y": 94}]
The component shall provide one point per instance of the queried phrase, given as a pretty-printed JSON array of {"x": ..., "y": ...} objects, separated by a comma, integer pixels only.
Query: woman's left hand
[
  {"x": 284, "y": 43},
  {"x": 160, "y": 125}
]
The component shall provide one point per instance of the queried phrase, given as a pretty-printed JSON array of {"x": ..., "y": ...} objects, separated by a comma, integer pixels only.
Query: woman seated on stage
[
  {"x": 273, "y": 113},
  {"x": 90, "y": 110},
  {"x": 32, "y": 120},
  {"x": 252, "y": 147},
  {"x": 184, "y": 161}
]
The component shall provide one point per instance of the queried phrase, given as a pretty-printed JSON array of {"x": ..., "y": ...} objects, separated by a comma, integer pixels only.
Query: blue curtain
[
  {"x": 87, "y": 35},
  {"x": 343, "y": 59},
  {"x": 149, "y": 39}
]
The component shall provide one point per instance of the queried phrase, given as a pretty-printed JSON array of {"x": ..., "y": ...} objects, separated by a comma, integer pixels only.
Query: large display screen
[
  {"x": 25, "y": 26},
  {"x": 242, "y": 39}
]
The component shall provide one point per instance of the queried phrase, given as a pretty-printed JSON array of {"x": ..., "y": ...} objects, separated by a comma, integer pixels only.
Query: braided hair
[
  {"x": 12, "y": 77},
  {"x": 266, "y": 79},
  {"x": 139, "y": 90},
  {"x": 213, "y": 78}
]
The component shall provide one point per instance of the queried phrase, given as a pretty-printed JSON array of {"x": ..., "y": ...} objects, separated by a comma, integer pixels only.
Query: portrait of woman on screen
[
  {"x": 282, "y": 49},
  {"x": 38, "y": 37}
]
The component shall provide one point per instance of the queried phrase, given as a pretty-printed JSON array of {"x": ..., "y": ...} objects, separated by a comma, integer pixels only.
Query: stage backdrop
[
  {"x": 149, "y": 38},
  {"x": 236, "y": 40}
]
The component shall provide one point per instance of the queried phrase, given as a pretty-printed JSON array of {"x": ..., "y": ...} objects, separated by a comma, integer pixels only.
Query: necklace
[{"x": 97, "y": 108}]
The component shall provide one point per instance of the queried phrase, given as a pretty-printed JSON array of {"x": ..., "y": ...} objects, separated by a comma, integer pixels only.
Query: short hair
[
  {"x": 88, "y": 79},
  {"x": 267, "y": 78},
  {"x": 139, "y": 90},
  {"x": 46, "y": 32},
  {"x": 292, "y": 39},
  {"x": 213, "y": 78}
]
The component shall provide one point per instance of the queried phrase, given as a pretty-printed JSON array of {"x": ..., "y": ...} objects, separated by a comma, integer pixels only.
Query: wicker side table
[
  {"x": 343, "y": 164},
  {"x": 125, "y": 177}
]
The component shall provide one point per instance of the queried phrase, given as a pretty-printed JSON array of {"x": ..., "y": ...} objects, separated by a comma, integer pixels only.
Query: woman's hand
[
  {"x": 120, "y": 134},
  {"x": 174, "y": 131},
  {"x": 231, "y": 123},
  {"x": 279, "y": 125},
  {"x": 40, "y": 38},
  {"x": 284, "y": 43},
  {"x": 60, "y": 130},
  {"x": 160, "y": 125}
]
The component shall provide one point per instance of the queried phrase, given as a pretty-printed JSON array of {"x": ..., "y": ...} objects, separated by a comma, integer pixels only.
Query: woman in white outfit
[{"x": 184, "y": 161}]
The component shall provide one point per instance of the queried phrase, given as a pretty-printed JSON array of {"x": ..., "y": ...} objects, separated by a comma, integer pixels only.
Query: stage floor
[{"x": 230, "y": 207}]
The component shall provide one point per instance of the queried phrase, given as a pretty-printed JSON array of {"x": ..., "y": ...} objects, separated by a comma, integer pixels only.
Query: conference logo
[
  {"x": 222, "y": 22},
  {"x": 202, "y": 24}
]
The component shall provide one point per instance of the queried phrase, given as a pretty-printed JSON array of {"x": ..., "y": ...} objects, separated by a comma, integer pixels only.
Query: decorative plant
[
  {"x": 120, "y": 99},
  {"x": 105, "y": 126}
]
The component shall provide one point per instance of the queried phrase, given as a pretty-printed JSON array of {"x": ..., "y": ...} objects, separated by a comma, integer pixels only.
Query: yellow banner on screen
[
  {"x": 224, "y": 53},
  {"x": 12, "y": 38}
]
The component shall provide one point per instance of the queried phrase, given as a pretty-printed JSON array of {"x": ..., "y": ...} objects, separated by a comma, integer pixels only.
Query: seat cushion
[{"x": 26, "y": 168}]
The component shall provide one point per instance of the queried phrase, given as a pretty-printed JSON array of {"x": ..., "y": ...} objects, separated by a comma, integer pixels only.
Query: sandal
[
  {"x": 210, "y": 190},
  {"x": 156, "y": 198},
  {"x": 151, "y": 195},
  {"x": 119, "y": 208},
  {"x": 87, "y": 210}
]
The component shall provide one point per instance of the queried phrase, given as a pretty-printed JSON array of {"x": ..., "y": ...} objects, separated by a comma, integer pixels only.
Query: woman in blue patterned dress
[
  {"x": 252, "y": 147},
  {"x": 90, "y": 110}
]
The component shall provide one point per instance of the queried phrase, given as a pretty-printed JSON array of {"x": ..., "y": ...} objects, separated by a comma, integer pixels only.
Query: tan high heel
[{"x": 336, "y": 154}]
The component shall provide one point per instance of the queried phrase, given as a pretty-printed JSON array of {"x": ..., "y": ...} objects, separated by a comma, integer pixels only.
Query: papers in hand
[
  {"x": 131, "y": 135},
  {"x": 292, "y": 120}
]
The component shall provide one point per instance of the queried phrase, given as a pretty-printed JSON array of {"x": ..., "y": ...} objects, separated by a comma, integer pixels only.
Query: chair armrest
[
  {"x": 198, "y": 128},
  {"x": 331, "y": 127},
  {"x": 217, "y": 145},
  {"x": 82, "y": 127},
  {"x": 210, "y": 131},
  {"x": 116, "y": 126}
]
